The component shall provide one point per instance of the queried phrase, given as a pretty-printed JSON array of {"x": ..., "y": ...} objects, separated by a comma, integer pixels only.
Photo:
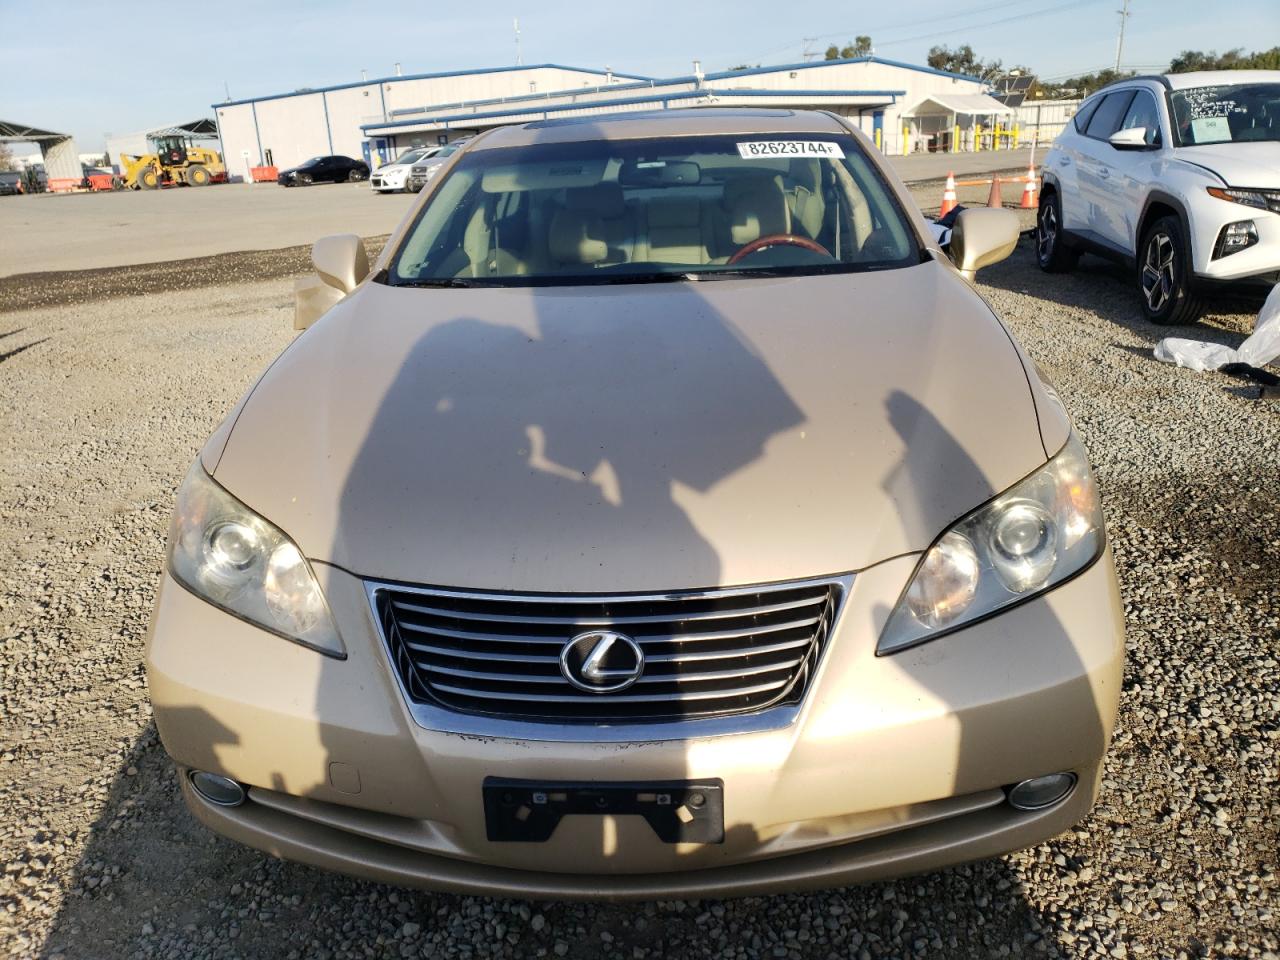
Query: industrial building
[{"x": 901, "y": 106}]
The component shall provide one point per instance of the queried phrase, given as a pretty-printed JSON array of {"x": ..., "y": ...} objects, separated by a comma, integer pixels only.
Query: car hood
[
  {"x": 1248, "y": 164},
  {"x": 635, "y": 436}
]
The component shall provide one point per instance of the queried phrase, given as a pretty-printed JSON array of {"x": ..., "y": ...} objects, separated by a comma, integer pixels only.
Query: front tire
[
  {"x": 148, "y": 179},
  {"x": 1052, "y": 253},
  {"x": 198, "y": 176},
  {"x": 1164, "y": 275}
]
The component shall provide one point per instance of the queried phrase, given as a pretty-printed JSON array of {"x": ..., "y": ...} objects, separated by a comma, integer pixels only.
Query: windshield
[
  {"x": 1230, "y": 113},
  {"x": 669, "y": 209},
  {"x": 411, "y": 155}
]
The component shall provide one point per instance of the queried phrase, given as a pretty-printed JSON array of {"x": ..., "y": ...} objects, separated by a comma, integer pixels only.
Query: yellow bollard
[
  {"x": 906, "y": 138},
  {"x": 977, "y": 137},
  {"x": 955, "y": 138},
  {"x": 879, "y": 138},
  {"x": 1017, "y": 136}
]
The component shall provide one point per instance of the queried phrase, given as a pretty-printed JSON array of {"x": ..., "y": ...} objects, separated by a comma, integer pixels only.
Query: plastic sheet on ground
[{"x": 1258, "y": 350}]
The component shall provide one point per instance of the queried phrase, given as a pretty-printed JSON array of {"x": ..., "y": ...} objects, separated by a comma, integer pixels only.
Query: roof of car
[
  {"x": 1213, "y": 78},
  {"x": 686, "y": 122}
]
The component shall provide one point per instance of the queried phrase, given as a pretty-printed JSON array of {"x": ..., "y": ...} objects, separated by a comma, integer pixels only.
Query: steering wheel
[{"x": 777, "y": 240}]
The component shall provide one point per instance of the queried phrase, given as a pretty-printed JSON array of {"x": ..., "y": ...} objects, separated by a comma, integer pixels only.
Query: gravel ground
[{"x": 104, "y": 400}]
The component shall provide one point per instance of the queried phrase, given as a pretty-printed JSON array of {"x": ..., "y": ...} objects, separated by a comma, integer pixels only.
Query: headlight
[
  {"x": 226, "y": 554},
  {"x": 1040, "y": 532},
  {"x": 1262, "y": 199}
]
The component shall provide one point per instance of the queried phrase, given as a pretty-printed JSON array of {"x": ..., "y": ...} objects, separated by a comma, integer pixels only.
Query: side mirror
[
  {"x": 1135, "y": 138},
  {"x": 340, "y": 263},
  {"x": 340, "y": 260},
  {"x": 982, "y": 236}
]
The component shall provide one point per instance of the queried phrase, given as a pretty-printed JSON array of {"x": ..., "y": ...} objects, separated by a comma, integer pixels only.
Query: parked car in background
[
  {"x": 1177, "y": 177},
  {"x": 11, "y": 183},
  {"x": 334, "y": 169},
  {"x": 392, "y": 177},
  {"x": 664, "y": 516},
  {"x": 425, "y": 169}
]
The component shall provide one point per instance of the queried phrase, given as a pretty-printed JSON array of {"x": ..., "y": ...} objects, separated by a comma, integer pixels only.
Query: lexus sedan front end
[{"x": 664, "y": 515}]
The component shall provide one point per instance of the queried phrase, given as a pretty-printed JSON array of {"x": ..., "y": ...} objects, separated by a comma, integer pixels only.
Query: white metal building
[
  {"x": 285, "y": 129},
  {"x": 378, "y": 119},
  {"x": 878, "y": 94}
]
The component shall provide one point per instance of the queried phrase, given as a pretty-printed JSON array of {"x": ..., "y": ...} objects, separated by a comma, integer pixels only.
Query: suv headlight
[
  {"x": 226, "y": 554},
  {"x": 1041, "y": 531}
]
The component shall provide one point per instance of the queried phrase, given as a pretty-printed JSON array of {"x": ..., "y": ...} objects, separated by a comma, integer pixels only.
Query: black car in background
[
  {"x": 324, "y": 170},
  {"x": 10, "y": 183}
]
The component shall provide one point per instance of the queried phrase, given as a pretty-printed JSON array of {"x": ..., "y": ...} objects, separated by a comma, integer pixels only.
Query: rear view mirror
[
  {"x": 341, "y": 263},
  {"x": 1135, "y": 138},
  {"x": 982, "y": 236},
  {"x": 659, "y": 173}
]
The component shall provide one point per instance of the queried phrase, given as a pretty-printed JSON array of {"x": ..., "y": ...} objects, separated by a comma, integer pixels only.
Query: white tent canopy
[{"x": 958, "y": 104}]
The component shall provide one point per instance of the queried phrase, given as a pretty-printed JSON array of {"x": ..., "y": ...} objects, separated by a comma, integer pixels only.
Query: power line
[{"x": 991, "y": 23}]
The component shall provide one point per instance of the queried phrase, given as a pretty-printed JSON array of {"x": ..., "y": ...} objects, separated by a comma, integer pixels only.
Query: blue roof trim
[
  {"x": 815, "y": 64},
  {"x": 426, "y": 76},
  {"x": 662, "y": 98}
]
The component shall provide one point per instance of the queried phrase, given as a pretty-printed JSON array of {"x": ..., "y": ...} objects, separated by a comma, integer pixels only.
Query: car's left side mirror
[
  {"x": 1135, "y": 138},
  {"x": 982, "y": 236},
  {"x": 341, "y": 263}
]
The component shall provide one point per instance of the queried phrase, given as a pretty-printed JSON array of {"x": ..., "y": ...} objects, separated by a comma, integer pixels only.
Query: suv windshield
[
  {"x": 1230, "y": 113},
  {"x": 669, "y": 209}
]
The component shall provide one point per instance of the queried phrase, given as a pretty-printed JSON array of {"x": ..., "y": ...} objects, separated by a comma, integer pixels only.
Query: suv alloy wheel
[{"x": 1164, "y": 277}]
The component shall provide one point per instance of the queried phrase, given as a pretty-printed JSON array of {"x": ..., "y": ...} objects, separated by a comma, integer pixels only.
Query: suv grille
[{"x": 705, "y": 653}]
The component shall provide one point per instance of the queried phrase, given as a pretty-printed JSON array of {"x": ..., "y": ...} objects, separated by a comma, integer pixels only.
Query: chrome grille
[{"x": 705, "y": 654}]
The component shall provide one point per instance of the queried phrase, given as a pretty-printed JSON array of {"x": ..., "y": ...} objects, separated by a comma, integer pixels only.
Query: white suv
[{"x": 1178, "y": 177}]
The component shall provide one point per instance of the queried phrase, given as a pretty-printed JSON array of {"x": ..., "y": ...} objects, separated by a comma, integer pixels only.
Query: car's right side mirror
[
  {"x": 1134, "y": 138},
  {"x": 341, "y": 263},
  {"x": 982, "y": 236}
]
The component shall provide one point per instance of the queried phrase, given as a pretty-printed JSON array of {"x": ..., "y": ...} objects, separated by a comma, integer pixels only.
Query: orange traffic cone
[
  {"x": 993, "y": 198},
  {"x": 948, "y": 195},
  {"x": 1029, "y": 191}
]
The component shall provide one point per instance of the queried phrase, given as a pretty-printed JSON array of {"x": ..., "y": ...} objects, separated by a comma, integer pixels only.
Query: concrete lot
[{"x": 84, "y": 231}]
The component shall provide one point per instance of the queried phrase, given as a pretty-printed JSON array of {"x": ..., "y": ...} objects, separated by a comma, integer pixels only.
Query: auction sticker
[{"x": 751, "y": 149}]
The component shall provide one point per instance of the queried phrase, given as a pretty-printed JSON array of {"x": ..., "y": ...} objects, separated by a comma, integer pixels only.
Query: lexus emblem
[{"x": 601, "y": 661}]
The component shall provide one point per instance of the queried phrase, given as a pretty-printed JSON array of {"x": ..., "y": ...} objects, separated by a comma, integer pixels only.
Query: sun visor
[{"x": 551, "y": 175}]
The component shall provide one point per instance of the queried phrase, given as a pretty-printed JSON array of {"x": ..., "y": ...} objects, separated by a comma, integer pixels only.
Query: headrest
[
  {"x": 757, "y": 208},
  {"x": 670, "y": 212},
  {"x": 571, "y": 238},
  {"x": 604, "y": 200}
]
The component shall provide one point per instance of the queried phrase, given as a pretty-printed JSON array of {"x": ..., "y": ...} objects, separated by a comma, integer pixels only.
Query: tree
[
  {"x": 859, "y": 47},
  {"x": 6, "y": 158},
  {"x": 963, "y": 60},
  {"x": 1189, "y": 61}
]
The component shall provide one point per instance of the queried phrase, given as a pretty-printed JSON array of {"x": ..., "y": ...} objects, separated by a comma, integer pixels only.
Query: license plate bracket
[{"x": 678, "y": 811}]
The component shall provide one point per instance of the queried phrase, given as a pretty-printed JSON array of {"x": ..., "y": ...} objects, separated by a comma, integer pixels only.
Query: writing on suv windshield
[
  {"x": 657, "y": 209},
  {"x": 1227, "y": 113}
]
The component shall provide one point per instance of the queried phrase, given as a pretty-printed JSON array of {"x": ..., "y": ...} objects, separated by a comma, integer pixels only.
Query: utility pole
[
  {"x": 808, "y": 54},
  {"x": 1124, "y": 15},
  {"x": 516, "y": 23}
]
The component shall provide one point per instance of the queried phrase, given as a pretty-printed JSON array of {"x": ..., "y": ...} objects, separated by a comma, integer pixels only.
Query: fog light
[
  {"x": 223, "y": 791},
  {"x": 1235, "y": 237},
  {"x": 1040, "y": 792}
]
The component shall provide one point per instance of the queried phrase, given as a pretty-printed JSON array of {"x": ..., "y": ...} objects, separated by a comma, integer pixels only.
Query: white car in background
[
  {"x": 1176, "y": 176},
  {"x": 390, "y": 178}
]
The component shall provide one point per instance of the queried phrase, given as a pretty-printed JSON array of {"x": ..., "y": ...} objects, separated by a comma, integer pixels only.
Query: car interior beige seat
[
  {"x": 485, "y": 252},
  {"x": 755, "y": 207},
  {"x": 805, "y": 198}
]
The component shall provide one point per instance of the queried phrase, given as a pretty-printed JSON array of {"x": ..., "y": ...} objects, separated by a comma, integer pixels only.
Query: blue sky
[{"x": 93, "y": 68}]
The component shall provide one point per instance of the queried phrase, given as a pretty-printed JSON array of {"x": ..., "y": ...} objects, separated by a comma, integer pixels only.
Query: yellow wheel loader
[{"x": 176, "y": 161}]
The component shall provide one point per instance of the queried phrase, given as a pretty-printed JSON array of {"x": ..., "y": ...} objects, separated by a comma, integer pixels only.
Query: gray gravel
[{"x": 103, "y": 403}]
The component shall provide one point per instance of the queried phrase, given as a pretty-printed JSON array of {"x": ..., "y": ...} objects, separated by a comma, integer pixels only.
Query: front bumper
[
  {"x": 1259, "y": 263},
  {"x": 893, "y": 764},
  {"x": 379, "y": 182}
]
